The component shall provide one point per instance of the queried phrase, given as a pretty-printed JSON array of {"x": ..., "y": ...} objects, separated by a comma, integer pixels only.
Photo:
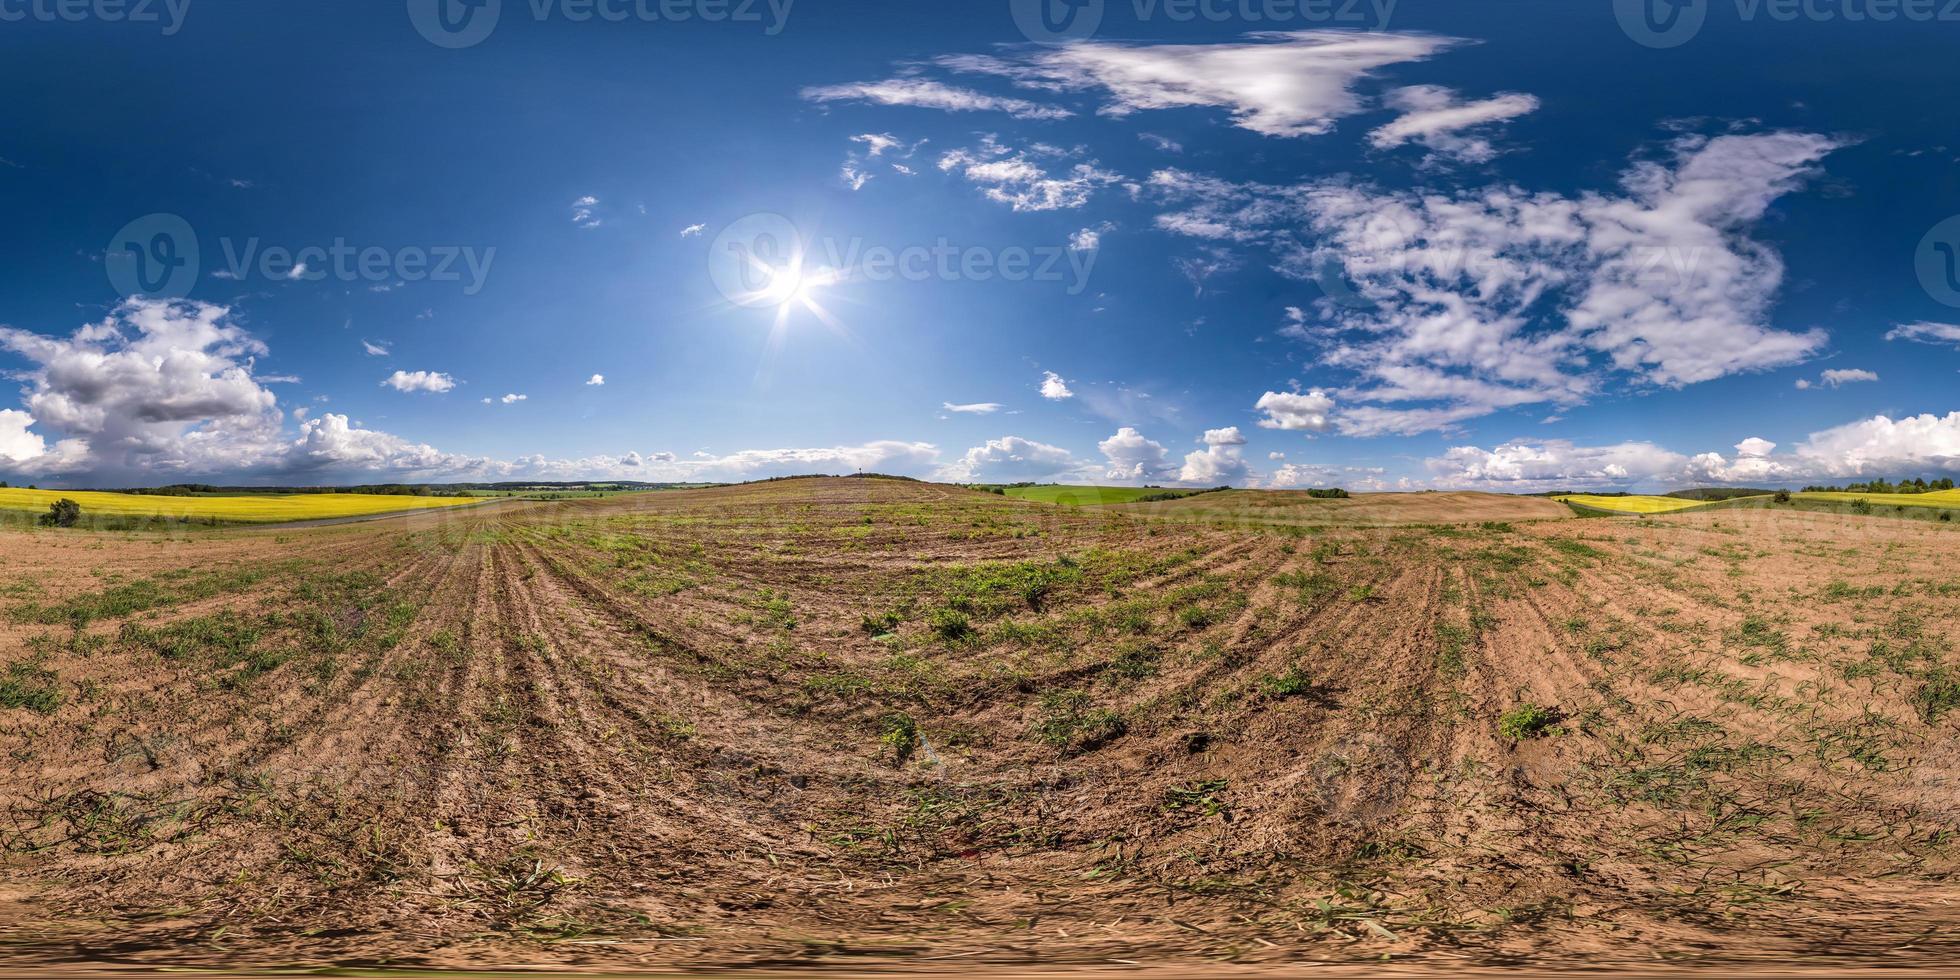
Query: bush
[
  {"x": 951, "y": 624},
  {"x": 62, "y": 513},
  {"x": 1782, "y": 496},
  {"x": 1861, "y": 506},
  {"x": 1526, "y": 721}
]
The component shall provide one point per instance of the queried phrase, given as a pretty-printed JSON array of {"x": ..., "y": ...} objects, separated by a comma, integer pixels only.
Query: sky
[{"x": 1379, "y": 244}]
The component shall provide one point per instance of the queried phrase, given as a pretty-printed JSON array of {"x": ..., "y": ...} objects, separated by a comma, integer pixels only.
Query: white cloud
[
  {"x": 1277, "y": 84},
  {"x": 1926, "y": 332},
  {"x": 1435, "y": 117},
  {"x": 1526, "y": 465},
  {"x": 156, "y": 384},
  {"x": 927, "y": 94},
  {"x": 1875, "y": 447},
  {"x": 1054, "y": 388},
  {"x": 875, "y": 144},
  {"x": 975, "y": 408},
  {"x": 375, "y": 349},
  {"x": 1134, "y": 458},
  {"x": 855, "y": 178},
  {"x": 1310, "y": 412},
  {"x": 692, "y": 230},
  {"x": 596, "y": 380},
  {"x": 1447, "y": 306},
  {"x": 430, "y": 381},
  {"x": 1163, "y": 143},
  {"x": 165, "y": 391},
  {"x": 1012, "y": 459},
  {"x": 17, "y": 445},
  {"x": 1221, "y": 462},
  {"x": 1840, "y": 376},
  {"x": 514, "y": 399},
  {"x": 1086, "y": 240},
  {"x": 1012, "y": 178},
  {"x": 1300, "y": 475},
  {"x": 585, "y": 212}
]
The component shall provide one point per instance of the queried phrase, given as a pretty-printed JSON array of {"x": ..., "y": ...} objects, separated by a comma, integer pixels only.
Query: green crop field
[{"x": 1089, "y": 496}]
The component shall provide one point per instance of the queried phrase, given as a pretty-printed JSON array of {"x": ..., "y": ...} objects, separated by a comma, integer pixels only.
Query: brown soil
[{"x": 875, "y": 725}]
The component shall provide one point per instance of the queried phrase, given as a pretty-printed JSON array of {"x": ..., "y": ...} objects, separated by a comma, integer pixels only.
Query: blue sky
[{"x": 1507, "y": 245}]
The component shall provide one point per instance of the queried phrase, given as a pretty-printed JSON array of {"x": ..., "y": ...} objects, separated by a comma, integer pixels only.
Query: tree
[{"x": 62, "y": 513}]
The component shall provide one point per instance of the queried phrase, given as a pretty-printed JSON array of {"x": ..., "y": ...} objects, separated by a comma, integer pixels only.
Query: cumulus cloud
[
  {"x": 1525, "y": 465},
  {"x": 692, "y": 230},
  {"x": 430, "y": 381},
  {"x": 1274, "y": 83},
  {"x": 1012, "y": 178},
  {"x": 1134, "y": 458},
  {"x": 375, "y": 349},
  {"x": 1012, "y": 459},
  {"x": 1293, "y": 476},
  {"x": 596, "y": 380},
  {"x": 1879, "y": 446},
  {"x": 17, "y": 445},
  {"x": 1875, "y": 447},
  {"x": 155, "y": 385},
  {"x": 1436, "y": 118},
  {"x": 1447, "y": 306},
  {"x": 1054, "y": 388},
  {"x": 1221, "y": 462},
  {"x": 928, "y": 94},
  {"x": 585, "y": 212},
  {"x": 1086, "y": 240},
  {"x": 1310, "y": 412},
  {"x": 163, "y": 391},
  {"x": 514, "y": 399}
]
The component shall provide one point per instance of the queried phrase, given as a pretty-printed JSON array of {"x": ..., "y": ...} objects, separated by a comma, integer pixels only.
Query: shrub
[
  {"x": 1526, "y": 721},
  {"x": 951, "y": 624},
  {"x": 1293, "y": 683},
  {"x": 62, "y": 513},
  {"x": 899, "y": 733},
  {"x": 1861, "y": 506},
  {"x": 1782, "y": 496}
]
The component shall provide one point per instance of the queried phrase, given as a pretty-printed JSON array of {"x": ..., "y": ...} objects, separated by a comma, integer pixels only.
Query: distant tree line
[{"x": 1914, "y": 485}]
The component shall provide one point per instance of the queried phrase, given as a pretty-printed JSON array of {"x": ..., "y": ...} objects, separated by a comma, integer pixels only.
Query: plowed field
[{"x": 861, "y": 722}]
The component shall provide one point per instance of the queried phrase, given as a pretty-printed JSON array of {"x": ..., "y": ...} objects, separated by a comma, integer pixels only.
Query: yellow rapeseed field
[
  {"x": 1943, "y": 498},
  {"x": 1633, "y": 505},
  {"x": 244, "y": 510}
]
